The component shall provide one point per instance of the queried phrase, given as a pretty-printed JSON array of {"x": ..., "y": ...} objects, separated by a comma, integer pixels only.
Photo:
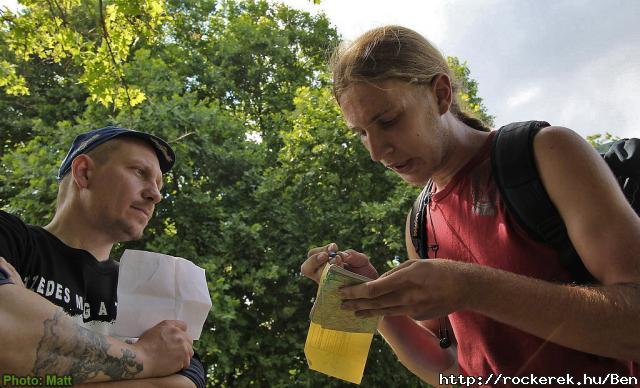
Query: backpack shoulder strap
[
  {"x": 416, "y": 222},
  {"x": 524, "y": 195}
]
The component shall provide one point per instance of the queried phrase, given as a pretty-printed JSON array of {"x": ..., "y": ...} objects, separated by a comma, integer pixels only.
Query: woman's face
[{"x": 399, "y": 124}]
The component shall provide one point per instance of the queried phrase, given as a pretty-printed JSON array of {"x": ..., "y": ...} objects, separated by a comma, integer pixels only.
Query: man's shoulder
[
  {"x": 12, "y": 224},
  {"x": 22, "y": 243},
  {"x": 16, "y": 241},
  {"x": 9, "y": 218},
  {"x": 12, "y": 227}
]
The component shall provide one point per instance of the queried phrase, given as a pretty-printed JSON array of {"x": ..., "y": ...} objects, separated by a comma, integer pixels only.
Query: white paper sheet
[{"x": 153, "y": 287}]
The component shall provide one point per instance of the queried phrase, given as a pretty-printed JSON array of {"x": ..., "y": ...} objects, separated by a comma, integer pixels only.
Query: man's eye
[{"x": 140, "y": 171}]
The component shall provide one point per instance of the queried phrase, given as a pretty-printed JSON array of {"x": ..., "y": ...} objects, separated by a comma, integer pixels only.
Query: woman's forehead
[
  {"x": 364, "y": 97},
  {"x": 390, "y": 88}
]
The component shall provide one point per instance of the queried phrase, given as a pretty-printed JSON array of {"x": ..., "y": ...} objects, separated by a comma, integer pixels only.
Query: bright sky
[{"x": 574, "y": 63}]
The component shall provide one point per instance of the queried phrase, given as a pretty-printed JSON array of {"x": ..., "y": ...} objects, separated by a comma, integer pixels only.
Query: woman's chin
[{"x": 414, "y": 180}]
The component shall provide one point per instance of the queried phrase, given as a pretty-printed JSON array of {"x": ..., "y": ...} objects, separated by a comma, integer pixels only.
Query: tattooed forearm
[{"x": 81, "y": 353}]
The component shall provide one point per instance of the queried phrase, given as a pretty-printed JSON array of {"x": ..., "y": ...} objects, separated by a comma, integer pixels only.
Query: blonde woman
[{"x": 510, "y": 303}]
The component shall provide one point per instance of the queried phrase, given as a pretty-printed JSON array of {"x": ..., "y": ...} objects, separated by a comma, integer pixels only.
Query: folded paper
[
  {"x": 326, "y": 310},
  {"x": 338, "y": 342},
  {"x": 153, "y": 287},
  {"x": 337, "y": 353}
]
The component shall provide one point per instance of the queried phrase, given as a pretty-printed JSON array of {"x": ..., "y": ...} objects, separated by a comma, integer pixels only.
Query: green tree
[
  {"x": 602, "y": 142},
  {"x": 468, "y": 93},
  {"x": 98, "y": 37},
  {"x": 266, "y": 167}
]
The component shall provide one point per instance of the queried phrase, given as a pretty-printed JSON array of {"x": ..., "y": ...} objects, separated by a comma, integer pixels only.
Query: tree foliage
[
  {"x": 266, "y": 167},
  {"x": 602, "y": 142},
  {"x": 98, "y": 37},
  {"x": 468, "y": 93}
]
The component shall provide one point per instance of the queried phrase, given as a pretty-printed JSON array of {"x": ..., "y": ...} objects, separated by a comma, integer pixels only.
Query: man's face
[
  {"x": 124, "y": 189},
  {"x": 399, "y": 125}
]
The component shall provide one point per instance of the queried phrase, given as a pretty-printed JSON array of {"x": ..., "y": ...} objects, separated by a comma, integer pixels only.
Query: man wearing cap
[{"x": 109, "y": 184}]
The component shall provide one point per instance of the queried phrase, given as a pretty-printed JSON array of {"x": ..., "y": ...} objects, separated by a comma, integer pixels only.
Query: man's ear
[
  {"x": 443, "y": 92},
  {"x": 81, "y": 170}
]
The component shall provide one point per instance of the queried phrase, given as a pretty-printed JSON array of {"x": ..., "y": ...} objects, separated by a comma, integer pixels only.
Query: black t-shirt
[{"x": 70, "y": 278}]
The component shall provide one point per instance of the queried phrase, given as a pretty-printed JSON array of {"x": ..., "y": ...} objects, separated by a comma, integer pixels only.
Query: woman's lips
[{"x": 403, "y": 167}]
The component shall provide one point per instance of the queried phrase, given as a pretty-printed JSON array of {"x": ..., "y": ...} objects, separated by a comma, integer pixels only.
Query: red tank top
[{"x": 471, "y": 225}]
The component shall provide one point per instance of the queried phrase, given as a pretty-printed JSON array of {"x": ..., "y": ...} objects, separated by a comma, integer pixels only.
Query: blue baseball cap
[{"x": 87, "y": 141}]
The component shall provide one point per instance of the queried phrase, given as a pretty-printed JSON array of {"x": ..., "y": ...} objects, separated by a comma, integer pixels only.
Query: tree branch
[
  {"x": 63, "y": 15},
  {"x": 181, "y": 137},
  {"x": 119, "y": 72}
]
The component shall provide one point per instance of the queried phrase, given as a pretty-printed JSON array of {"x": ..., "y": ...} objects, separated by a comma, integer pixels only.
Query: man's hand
[
  {"x": 166, "y": 348},
  {"x": 14, "y": 276},
  {"x": 351, "y": 260},
  {"x": 421, "y": 289}
]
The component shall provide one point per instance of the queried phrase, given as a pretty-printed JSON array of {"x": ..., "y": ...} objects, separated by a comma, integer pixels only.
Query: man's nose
[{"x": 152, "y": 193}]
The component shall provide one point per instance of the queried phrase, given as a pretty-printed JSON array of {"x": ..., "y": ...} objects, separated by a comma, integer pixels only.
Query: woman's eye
[{"x": 387, "y": 122}]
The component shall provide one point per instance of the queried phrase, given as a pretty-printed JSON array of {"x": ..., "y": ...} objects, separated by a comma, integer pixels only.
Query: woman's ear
[
  {"x": 81, "y": 169},
  {"x": 443, "y": 92}
]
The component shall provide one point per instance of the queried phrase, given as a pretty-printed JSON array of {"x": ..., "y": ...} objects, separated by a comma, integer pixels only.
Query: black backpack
[{"x": 526, "y": 198}]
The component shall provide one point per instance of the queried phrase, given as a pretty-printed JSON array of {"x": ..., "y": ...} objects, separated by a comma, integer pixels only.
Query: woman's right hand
[{"x": 351, "y": 260}]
